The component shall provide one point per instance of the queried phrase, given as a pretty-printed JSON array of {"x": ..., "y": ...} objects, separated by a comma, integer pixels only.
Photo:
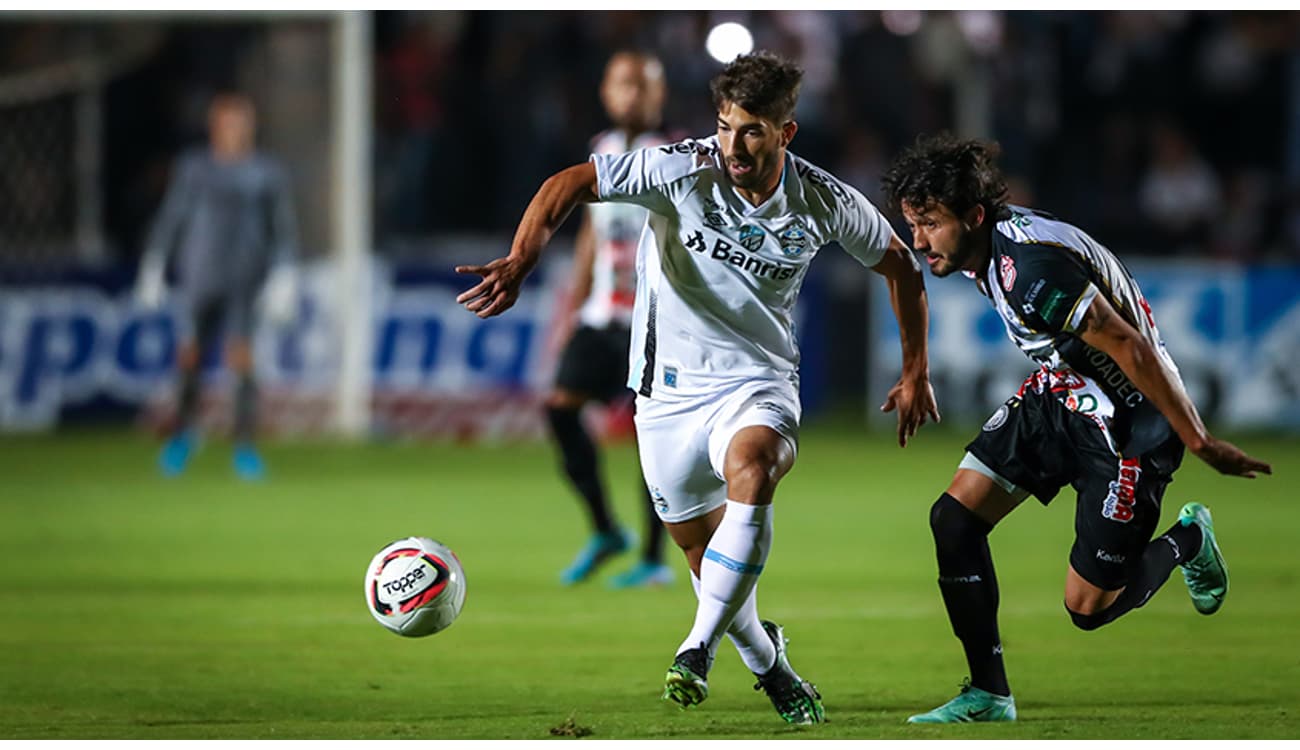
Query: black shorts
[
  {"x": 594, "y": 363},
  {"x": 216, "y": 313},
  {"x": 1039, "y": 445}
]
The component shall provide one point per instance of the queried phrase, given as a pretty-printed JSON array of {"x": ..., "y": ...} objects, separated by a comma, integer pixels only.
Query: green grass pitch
[{"x": 137, "y": 607}]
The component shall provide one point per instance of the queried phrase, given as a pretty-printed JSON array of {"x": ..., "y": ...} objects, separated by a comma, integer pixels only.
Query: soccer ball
[{"x": 415, "y": 587}]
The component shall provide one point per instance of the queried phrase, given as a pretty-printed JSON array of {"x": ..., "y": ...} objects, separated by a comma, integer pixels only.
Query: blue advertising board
[{"x": 80, "y": 341}]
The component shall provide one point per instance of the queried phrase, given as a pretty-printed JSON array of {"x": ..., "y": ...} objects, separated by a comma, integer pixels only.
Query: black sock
[
  {"x": 581, "y": 463},
  {"x": 1184, "y": 541},
  {"x": 970, "y": 589},
  {"x": 245, "y": 409},
  {"x": 1162, "y": 554},
  {"x": 653, "y": 549},
  {"x": 187, "y": 402}
]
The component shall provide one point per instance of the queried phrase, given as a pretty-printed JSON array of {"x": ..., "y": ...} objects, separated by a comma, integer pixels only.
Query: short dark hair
[
  {"x": 232, "y": 98},
  {"x": 960, "y": 173},
  {"x": 762, "y": 83}
]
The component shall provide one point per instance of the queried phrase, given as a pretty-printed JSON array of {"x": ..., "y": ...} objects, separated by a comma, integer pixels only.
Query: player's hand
[
  {"x": 280, "y": 295},
  {"x": 1227, "y": 458},
  {"x": 150, "y": 287},
  {"x": 914, "y": 400},
  {"x": 498, "y": 290}
]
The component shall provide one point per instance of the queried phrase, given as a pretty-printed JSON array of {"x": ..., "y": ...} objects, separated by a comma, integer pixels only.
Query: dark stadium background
[{"x": 134, "y": 607}]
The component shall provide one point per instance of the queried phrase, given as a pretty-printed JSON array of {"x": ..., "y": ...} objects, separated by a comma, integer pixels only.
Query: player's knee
[
  {"x": 560, "y": 416},
  {"x": 239, "y": 356},
  {"x": 751, "y": 478},
  {"x": 565, "y": 400},
  {"x": 953, "y": 523},
  {"x": 1087, "y": 621},
  {"x": 187, "y": 356}
]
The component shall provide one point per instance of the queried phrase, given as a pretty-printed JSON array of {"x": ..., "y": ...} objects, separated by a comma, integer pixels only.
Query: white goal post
[{"x": 351, "y": 230}]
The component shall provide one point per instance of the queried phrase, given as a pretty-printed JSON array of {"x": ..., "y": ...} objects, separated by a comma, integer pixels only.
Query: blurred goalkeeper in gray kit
[{"x": 229, "y": 215}]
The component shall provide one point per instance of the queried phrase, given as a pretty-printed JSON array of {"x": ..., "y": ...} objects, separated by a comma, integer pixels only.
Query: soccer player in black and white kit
[
  {"x": 735, "y": 219},
  {"x": 1106, "y": 413},
  {"x": 593, "y": 365},
  {"x": 229, "y": 213}
]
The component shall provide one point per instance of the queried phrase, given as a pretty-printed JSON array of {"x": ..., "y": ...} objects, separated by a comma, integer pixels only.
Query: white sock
[
  {"x": 747, "y": 634},
  {"x": 729, "y": 572}
]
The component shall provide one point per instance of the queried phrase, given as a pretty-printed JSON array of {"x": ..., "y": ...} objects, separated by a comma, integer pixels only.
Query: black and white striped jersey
[
  {"x": 1042, "y": 276},
  {"x": 616, "y": 230}
]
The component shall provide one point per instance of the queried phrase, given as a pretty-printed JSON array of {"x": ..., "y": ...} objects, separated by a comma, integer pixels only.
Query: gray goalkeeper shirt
[{"x": 231, "y": 221}]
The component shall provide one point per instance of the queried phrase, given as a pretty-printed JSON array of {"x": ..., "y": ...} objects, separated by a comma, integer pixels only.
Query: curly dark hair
[
  {"x": 959, "y": 173},
  {"x": 762, "y": 83}
]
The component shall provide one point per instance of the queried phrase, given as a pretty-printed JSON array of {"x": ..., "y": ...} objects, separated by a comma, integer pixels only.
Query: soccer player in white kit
[
  {"x": 593, "y": 364},
  {"x": 734, "y": 221}
]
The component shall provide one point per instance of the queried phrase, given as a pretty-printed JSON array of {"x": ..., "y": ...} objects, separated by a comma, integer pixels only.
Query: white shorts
[{"x": 683, "y": 444}]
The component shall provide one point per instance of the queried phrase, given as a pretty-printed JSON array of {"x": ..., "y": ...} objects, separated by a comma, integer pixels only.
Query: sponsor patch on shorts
[{"x": 1119, "y": 502}]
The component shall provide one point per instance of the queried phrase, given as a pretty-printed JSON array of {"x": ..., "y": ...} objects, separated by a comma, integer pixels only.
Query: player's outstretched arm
[
  {"x": 177, "y": 207},
  {"x": 1105, "y": 329},
  {"x": 912, "y": 395},
  {"x": 552, "y": 204},
  {"x": 584, "y": 258}
]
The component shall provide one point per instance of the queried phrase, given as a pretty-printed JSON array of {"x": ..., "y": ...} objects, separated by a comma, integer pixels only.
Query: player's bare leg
[
  {"x": 726, "y": 550},
  {"x": 1190, "y": 543},
  {"x": 961, "y": 520}
]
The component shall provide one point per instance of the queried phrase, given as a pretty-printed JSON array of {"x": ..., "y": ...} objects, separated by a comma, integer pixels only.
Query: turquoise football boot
[
  {"x": 1206, "y": 574},
  {"x": 248, "y": 463},
  {"x": 644, "y": 575},
  {"x": 176, "y": 453},
  {"x": 971, "y": 704},
  {"x": 600, "y": 549}
]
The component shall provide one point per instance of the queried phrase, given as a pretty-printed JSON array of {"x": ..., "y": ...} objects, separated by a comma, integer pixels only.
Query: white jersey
[
  {"x": 718, "y": 277},
  {"x": 615, "y": 228}
]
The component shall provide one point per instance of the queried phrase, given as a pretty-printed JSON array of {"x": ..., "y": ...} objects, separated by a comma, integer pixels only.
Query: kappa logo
[
  {"x": 1111, "y": 557},
  {"x": 998, "y": 419},
  {"x": 1008, "y": 266},
  {"x": 794, "y": 240},
  {"x": 751, "y": 238}
]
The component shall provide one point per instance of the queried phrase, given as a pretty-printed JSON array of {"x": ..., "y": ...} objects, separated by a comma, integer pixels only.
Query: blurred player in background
[
  {"x": 229, "y": 211},
  {"x": 593, "y": 364},
  {"x": 734, "y": 222},
  {"x": 1106, "y": 413}
]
